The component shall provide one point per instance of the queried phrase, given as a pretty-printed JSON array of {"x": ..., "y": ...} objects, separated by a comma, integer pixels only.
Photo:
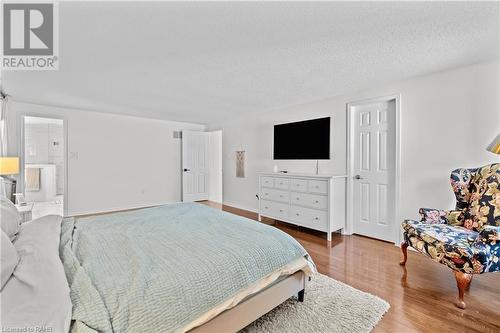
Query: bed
[{"x": 174, "y": 268}]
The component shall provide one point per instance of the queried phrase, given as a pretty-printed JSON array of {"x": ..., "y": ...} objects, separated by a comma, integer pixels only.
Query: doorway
[
  {"x": 202, "y": 166},
  {"x": 373, "y": 163},
  {"x": 43, "y": 166}
]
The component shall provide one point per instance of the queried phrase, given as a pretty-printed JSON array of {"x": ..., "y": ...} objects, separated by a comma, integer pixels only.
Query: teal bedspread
[{"x": 158, "y": 269}]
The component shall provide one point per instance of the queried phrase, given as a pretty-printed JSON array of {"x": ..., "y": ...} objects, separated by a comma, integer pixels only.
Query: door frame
[
  {"x": 211, "y": 170},
  {"x": 22, "y": 149},
  {"x": 350, "y": 162}
]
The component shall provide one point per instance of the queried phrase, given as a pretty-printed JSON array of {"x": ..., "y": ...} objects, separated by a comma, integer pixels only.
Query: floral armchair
[{"x": 466, "y": 239}]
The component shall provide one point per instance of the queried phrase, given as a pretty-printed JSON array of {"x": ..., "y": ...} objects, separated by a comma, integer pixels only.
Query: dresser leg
[
  {"x": 259, "y": 218},
  {"x": 329, "y": 237}
]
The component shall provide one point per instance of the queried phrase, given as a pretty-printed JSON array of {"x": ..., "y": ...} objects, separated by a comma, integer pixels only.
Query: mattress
[{"x": 169, "y": 268}]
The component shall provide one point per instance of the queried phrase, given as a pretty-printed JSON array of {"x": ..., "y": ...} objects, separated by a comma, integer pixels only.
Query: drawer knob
[
  {"x": 297, "y": 198},
  {"x": 281, "y": 195},
  {"x": 297, "y": 185},
  {"x": 316, "y": 186},
  {"x": 316, "y": 218},
  {"x": 281, "y": 210},
  {"x": 297, "y": 214},
  {"x": 266, "y": 207},
  {"x": 316, "y": 201},
  {"x": 267, "y": 193}
]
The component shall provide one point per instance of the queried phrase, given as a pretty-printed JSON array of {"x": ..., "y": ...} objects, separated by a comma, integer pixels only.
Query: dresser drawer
[
  {"x": 281, "y": 183},
  {"x": 310, "y": 218},
  {"x": 277, "y": 195},
  {"x": 274, "y": 209},
  {"x": 318, "y": 186},
  {"x": 309, "y": 200},
  {"x": 298, "y": 185},
  {"x": 267, "y": 181}
]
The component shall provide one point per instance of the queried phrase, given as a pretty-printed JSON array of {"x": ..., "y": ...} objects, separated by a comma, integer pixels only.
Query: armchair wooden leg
[
  {"x": 470, "y": 282},
  {"x": 404, "y": 249},
  {"x": 463, "y": 283}
]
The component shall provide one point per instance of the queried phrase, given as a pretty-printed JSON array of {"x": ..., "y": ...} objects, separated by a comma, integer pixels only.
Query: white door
[
  {"x": 195, "y": 166},
  {"x": 374, "y": 140}
]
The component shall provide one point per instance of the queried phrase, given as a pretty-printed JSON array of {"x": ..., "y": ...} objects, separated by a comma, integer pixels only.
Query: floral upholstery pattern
[
  {"x": 487, "y": 248},
  {"x": 451, "y": 217},
  {"x": 484, "y": 198},
  {"x": 433, "y": 216},
  {"x": 446, "y": 244},
  {"x": 466, "y": 239},
  {"x": 460, "y": 179}
]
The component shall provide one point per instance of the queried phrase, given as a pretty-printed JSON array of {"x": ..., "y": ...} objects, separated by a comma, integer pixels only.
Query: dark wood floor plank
[{"x": 422, "y": 295}]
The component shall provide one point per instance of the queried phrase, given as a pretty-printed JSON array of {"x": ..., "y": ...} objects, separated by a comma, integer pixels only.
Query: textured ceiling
[{"x": 203, "y": 62}]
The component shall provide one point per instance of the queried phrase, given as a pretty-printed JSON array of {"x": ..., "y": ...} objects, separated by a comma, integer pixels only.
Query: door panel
[
  {"x": 382, "y": 204},
  {"x": 382, "y": 151},
  {"x": 364, "y": 204},
  {"x": 374, "y": 143},
  {"x": 364, "y": 150},
  {"x": 194, "y": 166}
]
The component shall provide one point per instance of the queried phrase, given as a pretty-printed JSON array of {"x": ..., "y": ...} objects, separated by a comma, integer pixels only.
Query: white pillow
[
  {"x": 8, "y": 258},
  {"x": 9, "y": 218},
  {"x": 37, "y": 294}
]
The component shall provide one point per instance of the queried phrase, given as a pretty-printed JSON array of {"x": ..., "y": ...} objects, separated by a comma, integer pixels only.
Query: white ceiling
[{"x": 203, "y": 62}]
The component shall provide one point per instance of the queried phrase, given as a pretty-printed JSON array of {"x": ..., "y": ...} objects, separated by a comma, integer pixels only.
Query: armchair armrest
[
  {"x": 438, "y": 216},
  {"x": 488, "y": 234},
  {"x": 486, "y": 249}
]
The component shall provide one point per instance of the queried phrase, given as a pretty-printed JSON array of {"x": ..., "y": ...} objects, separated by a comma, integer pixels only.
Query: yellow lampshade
[
  {"x": 494, "y": 146},
  {"x": 9, "y": 166}
]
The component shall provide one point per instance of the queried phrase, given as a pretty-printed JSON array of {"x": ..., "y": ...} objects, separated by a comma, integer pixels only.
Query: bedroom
[{"x": 255, "y": 166}]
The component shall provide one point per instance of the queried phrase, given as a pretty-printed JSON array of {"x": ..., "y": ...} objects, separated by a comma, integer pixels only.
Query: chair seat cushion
[
  {"x": 449, "y": 245},
  {"x": 442, "y": 233}
]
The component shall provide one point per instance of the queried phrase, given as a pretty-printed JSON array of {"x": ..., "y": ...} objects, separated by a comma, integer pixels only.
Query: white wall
[
  {"x": 115, "y": 162},
  {"x": 215, "y": 166},
  {"x": 37, "y": 143},
  {"x": 447, "y": 120}
]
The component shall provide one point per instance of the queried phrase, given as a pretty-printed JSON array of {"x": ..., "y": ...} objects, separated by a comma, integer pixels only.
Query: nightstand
[{"x": 25, "y": 212}]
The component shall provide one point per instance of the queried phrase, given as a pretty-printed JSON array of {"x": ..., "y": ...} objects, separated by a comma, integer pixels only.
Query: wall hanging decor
[{"x": 240, "y": 163}]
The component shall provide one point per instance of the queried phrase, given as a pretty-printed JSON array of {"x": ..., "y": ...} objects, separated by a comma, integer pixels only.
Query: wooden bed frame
[{"x": 254, "y": 307}]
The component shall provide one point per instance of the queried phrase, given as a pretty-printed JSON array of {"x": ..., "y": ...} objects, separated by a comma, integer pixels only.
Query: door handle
[
  {"x": 186, "y": 170},
  {"x": 358, "y": 177}
]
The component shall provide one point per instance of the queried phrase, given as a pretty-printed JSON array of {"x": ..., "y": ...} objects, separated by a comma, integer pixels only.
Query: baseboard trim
[{"x": 225, "y": 203}]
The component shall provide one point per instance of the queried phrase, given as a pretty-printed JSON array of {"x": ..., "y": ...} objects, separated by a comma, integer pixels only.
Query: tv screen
[{"x": 303, "y": 140}]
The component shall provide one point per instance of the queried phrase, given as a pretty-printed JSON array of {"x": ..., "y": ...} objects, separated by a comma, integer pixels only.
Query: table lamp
[
  {"x": 9, "y": 166},
  {"x": 494, "y": 146}
]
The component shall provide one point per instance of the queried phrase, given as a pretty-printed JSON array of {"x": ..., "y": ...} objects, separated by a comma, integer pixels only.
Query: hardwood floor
[{"x": 422, "y": 295}]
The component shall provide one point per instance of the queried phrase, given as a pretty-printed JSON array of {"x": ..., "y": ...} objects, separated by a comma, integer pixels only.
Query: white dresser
[{"x": 312, "y": 201}]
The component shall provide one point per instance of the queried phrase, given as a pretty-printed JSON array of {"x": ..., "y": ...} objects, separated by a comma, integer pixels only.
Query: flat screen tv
[{"x": 303, "y": 140}]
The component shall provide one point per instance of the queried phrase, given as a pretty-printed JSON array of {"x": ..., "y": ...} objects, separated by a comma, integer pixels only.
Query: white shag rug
[{"x": 330, "y": 306}]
